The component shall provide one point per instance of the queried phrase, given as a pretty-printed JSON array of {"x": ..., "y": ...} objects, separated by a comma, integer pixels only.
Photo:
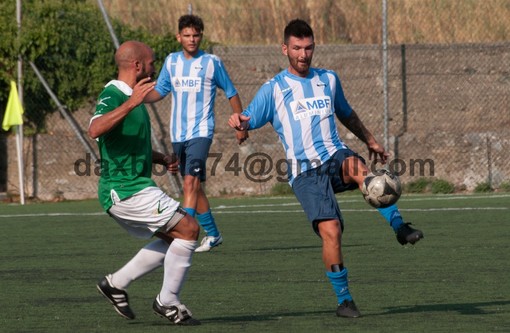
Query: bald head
[
  {"x": 131, "y": 51},
  {"x": 135, "y": 61}
]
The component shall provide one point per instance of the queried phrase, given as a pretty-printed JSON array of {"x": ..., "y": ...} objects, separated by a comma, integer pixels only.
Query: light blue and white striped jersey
[
  {"x": 193, "y": 83},
  {"x": 301, "y": 111}
]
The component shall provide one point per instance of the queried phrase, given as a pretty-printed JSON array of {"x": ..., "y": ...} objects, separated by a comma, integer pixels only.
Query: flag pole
[{"x": 19, "y": 128}]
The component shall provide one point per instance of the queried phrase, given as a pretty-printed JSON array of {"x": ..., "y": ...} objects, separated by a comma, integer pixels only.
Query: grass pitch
[{"x": 268, "y": 274}]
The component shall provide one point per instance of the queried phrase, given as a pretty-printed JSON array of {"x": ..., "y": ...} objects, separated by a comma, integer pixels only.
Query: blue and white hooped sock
[
  {"x": 340, "y": 285},
  {"x": 392, "y": 215},
  {"x": 206, "y": 220}
]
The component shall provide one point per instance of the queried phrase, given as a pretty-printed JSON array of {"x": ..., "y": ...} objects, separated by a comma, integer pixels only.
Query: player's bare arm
[
  {"x": 170, "y": 162},
  {"x": 107, "y": 122},
  {"x": 356, "y": 126},
  {"x": 152, "y": 97},
  {"x": 237, "y": 107}
]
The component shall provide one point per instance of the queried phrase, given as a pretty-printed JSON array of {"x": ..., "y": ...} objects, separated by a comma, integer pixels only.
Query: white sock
[
  {"x": 177, "y": 263},
  {"x": 145, "y": 261}
]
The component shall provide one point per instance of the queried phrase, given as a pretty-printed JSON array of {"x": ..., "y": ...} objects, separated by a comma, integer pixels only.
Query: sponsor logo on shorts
[{"x": 159, "y": 208}]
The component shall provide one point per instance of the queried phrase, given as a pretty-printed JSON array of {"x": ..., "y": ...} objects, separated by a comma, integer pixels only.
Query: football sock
[
  {"x": 206, "y": 220},
  {"x": 340, "y": 285},
  {"x": 190, "y": 211},
  {"x": 177, "y": 263},
  {"x": 146, "y": 260},
  {"x": 392, "y": 215}
]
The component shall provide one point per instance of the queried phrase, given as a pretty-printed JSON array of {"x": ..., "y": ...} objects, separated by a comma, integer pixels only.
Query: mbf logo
[
  {"x": 316, "y": 106},
  {"x": 187, "y": 84}
]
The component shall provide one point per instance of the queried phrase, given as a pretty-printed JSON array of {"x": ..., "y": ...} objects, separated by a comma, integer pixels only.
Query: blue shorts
[
  {"x": 315, "y": 189},
  {"x": 192, "y": 156}
]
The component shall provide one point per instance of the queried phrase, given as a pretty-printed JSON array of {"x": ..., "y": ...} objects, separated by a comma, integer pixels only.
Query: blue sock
[
  {"x": 206, "y": 220},
  {"x": 190, "y": 211},
  {"x": 392, "y": 216},
  {"x": 340, "y": 285}
]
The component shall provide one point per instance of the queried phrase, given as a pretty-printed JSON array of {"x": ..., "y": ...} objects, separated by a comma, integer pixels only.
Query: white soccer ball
[{"x": 381, "y": 188}]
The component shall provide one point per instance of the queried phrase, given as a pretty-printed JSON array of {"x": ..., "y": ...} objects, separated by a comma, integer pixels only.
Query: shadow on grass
[
  {"x": 461, "y": 308},
  {"x": 296, "y": 248},
  {"x": 264, "y": 317}
]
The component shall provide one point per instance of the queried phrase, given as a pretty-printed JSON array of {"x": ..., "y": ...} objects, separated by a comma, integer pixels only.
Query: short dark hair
[
  {"x": 297, "y": 28},
  {"x": 191, "y": 21}
]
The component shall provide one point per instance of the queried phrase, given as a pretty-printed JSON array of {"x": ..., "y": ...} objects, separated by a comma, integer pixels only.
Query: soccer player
[
  {"x": 300, "y": 103},
  {"x": 126, "y": 191},
  {"x": 191, "y": 76}
]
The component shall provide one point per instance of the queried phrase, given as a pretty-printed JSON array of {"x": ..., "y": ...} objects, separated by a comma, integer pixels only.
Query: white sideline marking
[
  {"x": 360, "y": 199},
  {"x": 55, "y": 214},
  {"x": 373, "y": 210},
  {"x": 221, "y": 209}
]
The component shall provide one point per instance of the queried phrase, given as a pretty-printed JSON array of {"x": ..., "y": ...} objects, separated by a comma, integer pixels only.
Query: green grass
[{"x": 268, "y": 275}]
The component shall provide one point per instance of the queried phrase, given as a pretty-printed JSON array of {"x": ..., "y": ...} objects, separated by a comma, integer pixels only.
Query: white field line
[
  {"x": 225, "y": 209},
  {"x": 368, "y": 210},
  {"x": 275, "y": 211},
  {"x": 403, "y": 199}
]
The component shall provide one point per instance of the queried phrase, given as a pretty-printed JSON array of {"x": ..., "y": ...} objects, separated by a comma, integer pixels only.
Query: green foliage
[
  {"x": 442, "y": 186},
  {"x": 281, "y": 189},
  {"x": 504, "y": 187},
  {"x": 8, "y": 47},
  {"x": 69, "y": 43},
  {"x": 418, "y": 186},
  {"x": 483, "y": 188}
]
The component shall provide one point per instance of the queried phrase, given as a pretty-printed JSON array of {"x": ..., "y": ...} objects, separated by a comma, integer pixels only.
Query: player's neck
[
  {"x": 188, "y": 55},
  {"x": 292, "y": 71}
]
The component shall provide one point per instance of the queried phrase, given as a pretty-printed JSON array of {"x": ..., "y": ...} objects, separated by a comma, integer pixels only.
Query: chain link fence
[
  {"x": 449, "y": 119},
  {"x": 449, "y": 114}
]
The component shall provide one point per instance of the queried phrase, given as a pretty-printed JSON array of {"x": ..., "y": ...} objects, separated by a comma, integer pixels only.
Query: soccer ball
[{"x": 381, "y": 188}]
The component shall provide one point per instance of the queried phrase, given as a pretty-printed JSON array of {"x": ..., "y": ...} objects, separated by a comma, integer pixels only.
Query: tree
[{"x": 69, "y": 42}]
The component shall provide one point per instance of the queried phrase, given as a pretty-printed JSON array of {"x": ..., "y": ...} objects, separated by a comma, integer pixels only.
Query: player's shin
[
  {"x": 392, "y": 215},
  {"x": 145, "y": 261},
  {"x": 206, "y": 220},
  {"x": 340, "y": 285},
  {"x": 177, "y": 263}
]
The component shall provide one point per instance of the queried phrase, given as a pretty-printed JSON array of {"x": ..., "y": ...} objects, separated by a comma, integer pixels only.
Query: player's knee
[
  {"x": 354, "y": 170},
  {"x": 191, "y": 184},
  {"x": 330, "y": 231},
  {"x": 192, "y": 229}
]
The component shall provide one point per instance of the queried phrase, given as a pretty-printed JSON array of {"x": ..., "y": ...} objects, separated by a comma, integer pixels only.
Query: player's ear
[
  {"x": 138, "y": 65},
  {"x": 284, "y": 49}
]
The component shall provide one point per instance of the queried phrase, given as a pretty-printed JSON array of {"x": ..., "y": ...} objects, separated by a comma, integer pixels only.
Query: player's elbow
[
  {"x": 93, "y": 130},
  {"x": 93, "y": 134}
]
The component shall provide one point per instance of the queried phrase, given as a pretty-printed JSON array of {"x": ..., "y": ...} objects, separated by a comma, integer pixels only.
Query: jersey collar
[{"x": 122, "y": 86}]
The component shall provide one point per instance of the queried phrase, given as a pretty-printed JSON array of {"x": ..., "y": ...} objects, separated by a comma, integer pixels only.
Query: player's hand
[
  {"x": 377, "y": 153},
  {"x": 238, "y": 121},
  {"x": 141, "y": 89},
  {"x": 242, "y": 136},
  {"x": 171, "y": 163}
]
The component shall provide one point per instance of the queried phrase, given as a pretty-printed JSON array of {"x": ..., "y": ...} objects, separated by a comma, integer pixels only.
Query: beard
[{"x": 301, "y": 67}]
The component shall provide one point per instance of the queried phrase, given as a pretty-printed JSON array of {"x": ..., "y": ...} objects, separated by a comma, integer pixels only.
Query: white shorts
[{"x": 146, "y": 212}]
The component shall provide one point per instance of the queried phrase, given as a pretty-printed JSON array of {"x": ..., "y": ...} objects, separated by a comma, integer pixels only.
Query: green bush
[
  {"x": 69, "y": 43},
  {"x": 442, "y": 186},
  {"x": 418, "y": 186},
  {"x": 281, "y": 189},
  {"x": 483, "y": 188},
  {"x": 504, "y": 187}
]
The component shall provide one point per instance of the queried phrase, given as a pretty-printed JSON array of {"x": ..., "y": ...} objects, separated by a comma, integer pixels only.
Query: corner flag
[{"x": 14, "y": 109}]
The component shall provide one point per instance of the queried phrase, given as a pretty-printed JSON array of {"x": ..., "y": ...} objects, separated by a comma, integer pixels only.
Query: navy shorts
[
  {"x": 192, "y": 156},
  {"x": 315, "y": 189}
]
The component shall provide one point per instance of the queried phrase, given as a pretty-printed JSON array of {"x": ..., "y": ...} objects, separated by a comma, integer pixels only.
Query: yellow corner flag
[{"x": 14, "y": 109}]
